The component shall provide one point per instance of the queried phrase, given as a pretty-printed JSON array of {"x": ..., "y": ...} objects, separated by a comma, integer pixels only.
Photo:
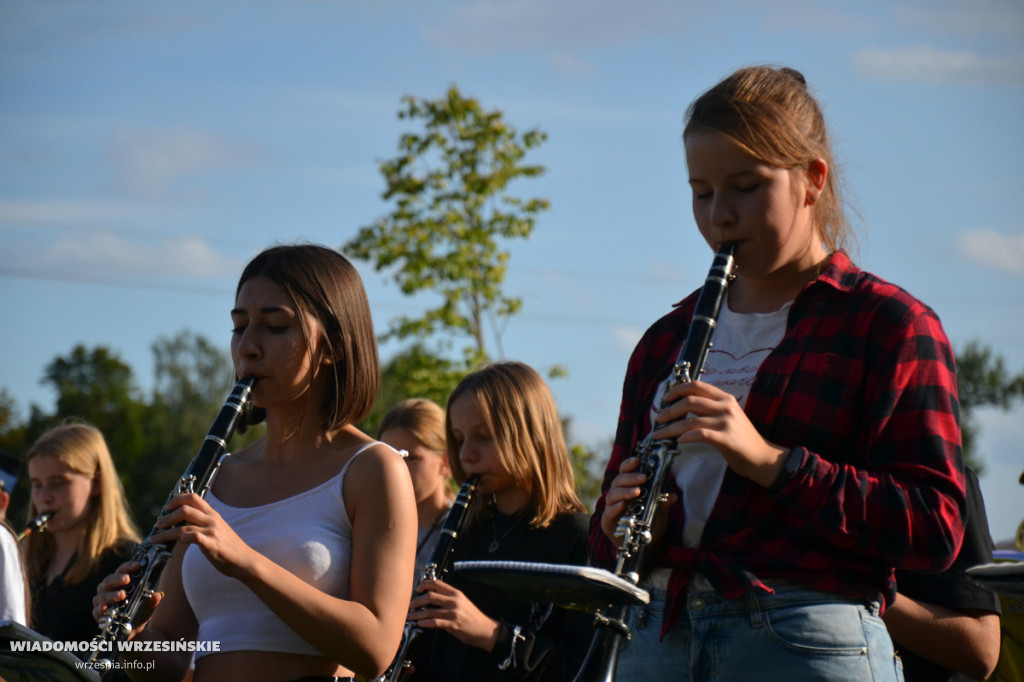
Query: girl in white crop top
[{"x": 297, "y": 563}]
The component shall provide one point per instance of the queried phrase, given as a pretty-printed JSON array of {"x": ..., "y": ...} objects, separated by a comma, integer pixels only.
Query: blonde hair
[
  {"x": 423, "y": 418},
  {"x": 519, "y": 410},
  {"x": 82, "y": 448},
  {"x": 770, "y": 113}
]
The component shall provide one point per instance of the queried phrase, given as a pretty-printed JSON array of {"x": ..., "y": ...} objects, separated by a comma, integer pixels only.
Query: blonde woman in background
[
  {"x": 90, "y": 534},
  {"x": 416, "y": 427}
]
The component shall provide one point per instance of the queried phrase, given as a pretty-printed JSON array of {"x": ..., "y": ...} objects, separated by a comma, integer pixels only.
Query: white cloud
[
  {"x": 148, "y": 162},
  {"x": 105, "y": 253},
  {"x": 977, "y": 18},
  {"x": 992, "y": 249},
  {"x": 934, "y": 65}
]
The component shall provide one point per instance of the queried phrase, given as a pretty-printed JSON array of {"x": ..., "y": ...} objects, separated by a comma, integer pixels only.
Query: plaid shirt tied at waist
[{"x": 862, "y": 388}]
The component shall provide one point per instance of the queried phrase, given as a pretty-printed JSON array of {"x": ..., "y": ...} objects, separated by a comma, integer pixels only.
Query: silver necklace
[{"x": 493, "y": 547}]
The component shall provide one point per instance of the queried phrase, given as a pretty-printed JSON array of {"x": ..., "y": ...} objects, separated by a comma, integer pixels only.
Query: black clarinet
[
  {"x": 436, "y": 569},
  {"x": 656, "y": 462},
  {"x": 117, "y": 623}
]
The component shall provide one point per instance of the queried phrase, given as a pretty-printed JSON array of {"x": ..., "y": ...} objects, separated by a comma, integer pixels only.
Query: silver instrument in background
[{"x": 36, "y": 525}]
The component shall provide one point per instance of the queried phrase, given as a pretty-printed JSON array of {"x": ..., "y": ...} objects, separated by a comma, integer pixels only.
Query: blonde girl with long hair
[
  {"x": 90, "y": 533},
  {"x": 502, "y": 425}
]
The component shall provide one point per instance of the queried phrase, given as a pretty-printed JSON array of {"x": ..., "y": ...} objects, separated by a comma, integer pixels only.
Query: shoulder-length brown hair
[
  {"x": 83, "y": 449},
  {"x": 323, "y": 283},
  {"x": 520, "y": 413}
]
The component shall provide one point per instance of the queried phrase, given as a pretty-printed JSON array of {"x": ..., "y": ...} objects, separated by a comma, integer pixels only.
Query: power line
[{"x": 559, "y": 318}]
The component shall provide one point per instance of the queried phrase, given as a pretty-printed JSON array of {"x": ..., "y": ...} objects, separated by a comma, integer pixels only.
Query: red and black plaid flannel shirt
[{"x": 863, "y": 388}]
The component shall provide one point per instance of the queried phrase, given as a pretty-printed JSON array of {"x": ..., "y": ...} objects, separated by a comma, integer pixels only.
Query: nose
[
  {"x": 467, "y": 454},
  {"x": 247, "y": 345},
  {"x": 42, "y": 495},
  {"x": 722, "y": 212}
]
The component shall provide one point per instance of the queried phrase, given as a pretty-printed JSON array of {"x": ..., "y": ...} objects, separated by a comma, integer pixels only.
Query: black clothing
[
  {"x": 551, "y": 642},
  {"x": 952, "y": 588},
  {"x": 64, "y": 612}
]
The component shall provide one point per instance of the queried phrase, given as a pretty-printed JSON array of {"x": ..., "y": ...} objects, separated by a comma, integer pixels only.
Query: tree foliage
[
  {"x": 982, "y": 381},
  {"x": 151, "y": 441},
  {"x": 449, "y": 186},
  {"x": 192, "y": 380},
  {"x": 96, "y": 386}
]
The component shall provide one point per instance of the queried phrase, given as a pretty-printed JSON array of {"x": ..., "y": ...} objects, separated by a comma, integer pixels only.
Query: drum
[
  {"x": 582, "y": 588},
  {"x": 1004, "y": 576}
]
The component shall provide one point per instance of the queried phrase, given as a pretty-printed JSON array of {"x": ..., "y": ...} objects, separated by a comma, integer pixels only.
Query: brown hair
[
  {"x": 323, "y": 283},
  {"x": 771, "y": 114},
  {"x": 82, "y": 448},
  {"x": 520, "y": 413}
]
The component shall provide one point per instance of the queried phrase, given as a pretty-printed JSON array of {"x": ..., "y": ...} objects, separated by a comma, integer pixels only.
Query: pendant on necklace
[{"x": 493, "y": 547}]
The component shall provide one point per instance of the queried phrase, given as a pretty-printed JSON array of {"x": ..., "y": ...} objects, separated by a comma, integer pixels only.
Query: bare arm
[
  {"x": 361, "y": 632},
  {"x": 964, "y": 641}
]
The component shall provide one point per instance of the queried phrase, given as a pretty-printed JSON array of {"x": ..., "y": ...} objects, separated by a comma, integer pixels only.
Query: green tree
[
  {"x": 12, "y": 430},
  {"x": 449, "y": 186},
  {"x": 452, "y": 212},
  {"x": 982, "y": 381},
  {"x": 151, "y": 442},
  {"x": 193, "y": 378},
  {"x": 412, "y": 373},
  {"x": 98, "y": 387}
]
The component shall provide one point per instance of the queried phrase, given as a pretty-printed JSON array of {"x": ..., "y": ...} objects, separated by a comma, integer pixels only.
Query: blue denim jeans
[{"x": 795, "y": 634}]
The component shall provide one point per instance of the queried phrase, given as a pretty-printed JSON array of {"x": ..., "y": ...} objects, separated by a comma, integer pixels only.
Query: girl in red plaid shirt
[{"x": 820, "y": 449}]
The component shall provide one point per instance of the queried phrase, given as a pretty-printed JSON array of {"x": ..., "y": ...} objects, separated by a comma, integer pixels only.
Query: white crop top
[{"x": 309, "y": 534}]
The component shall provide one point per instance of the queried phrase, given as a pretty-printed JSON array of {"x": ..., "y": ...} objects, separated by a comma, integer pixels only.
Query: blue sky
[{"x": 148, "y": 150}]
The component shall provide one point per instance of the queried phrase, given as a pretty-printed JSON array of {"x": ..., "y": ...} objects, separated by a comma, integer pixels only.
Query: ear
[
  {"x": 326, "y": 357},
  {"x": 817, "y": 172},
  {"x": 94, "y": 491}
]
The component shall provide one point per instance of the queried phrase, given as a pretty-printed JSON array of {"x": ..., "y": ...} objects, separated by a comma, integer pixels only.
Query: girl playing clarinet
[
  {"x": 297, "y": 562},
  {"x": 821, "y": 447},
  {"x": 502, "y": 425}
]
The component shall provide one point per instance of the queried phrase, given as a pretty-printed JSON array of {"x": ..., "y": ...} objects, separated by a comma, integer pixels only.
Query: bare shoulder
[
  {"x": 376, "y": 461},
  {"x": 377, "y": 476}
]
